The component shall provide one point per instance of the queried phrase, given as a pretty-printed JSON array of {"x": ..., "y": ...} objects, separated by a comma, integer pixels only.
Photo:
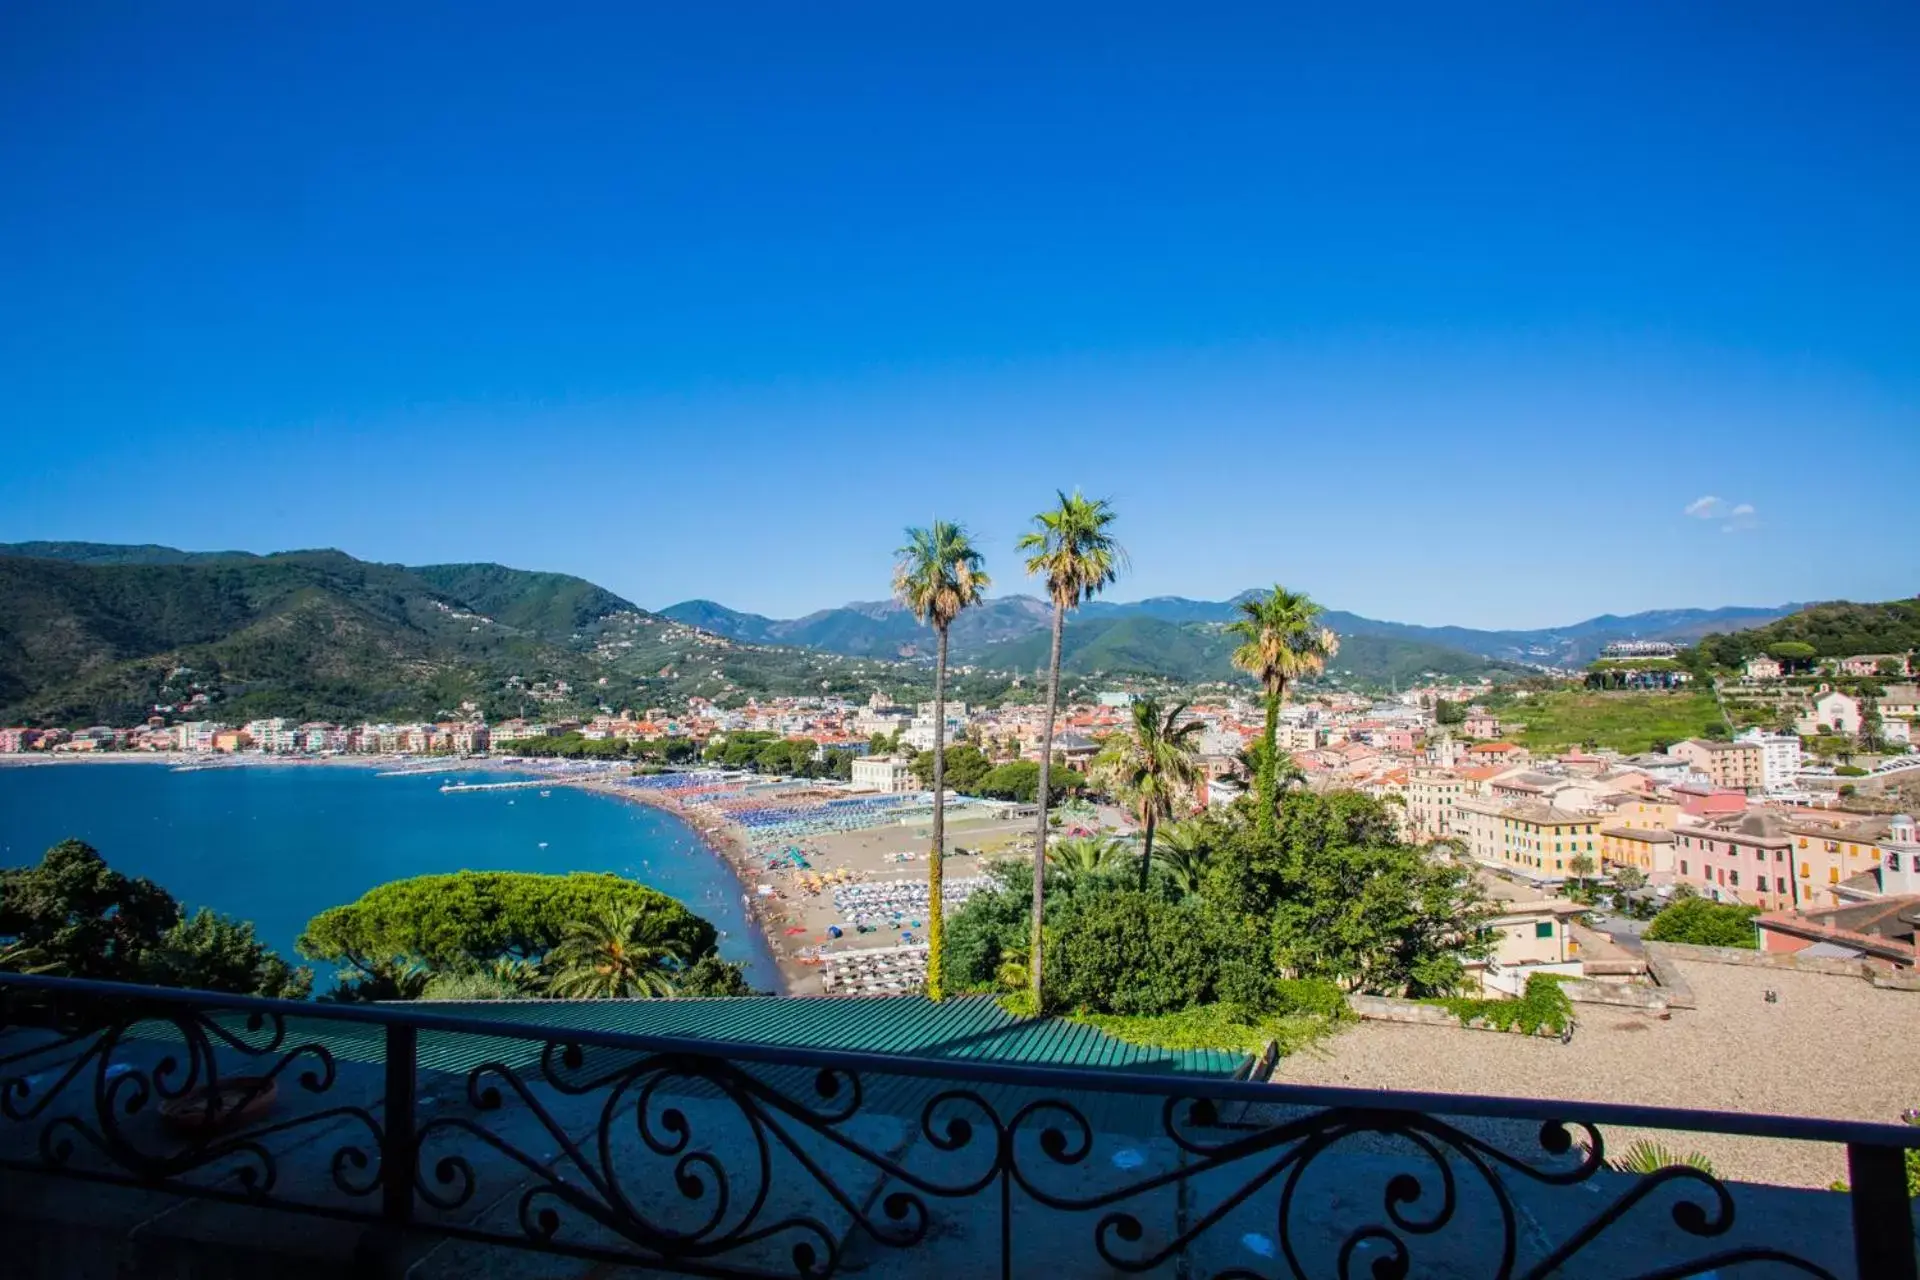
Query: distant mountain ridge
[
  {"x": 99, "y": 634},
  {"x": 882, "y": 629}
]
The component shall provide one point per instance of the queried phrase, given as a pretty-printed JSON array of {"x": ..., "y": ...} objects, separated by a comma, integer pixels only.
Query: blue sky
[{"x": 1443, "y": 313}]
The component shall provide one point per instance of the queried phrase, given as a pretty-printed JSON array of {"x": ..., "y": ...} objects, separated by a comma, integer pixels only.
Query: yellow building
[
  {"x": 1540, "y": 840},
  {"x": 1648, "y": 849}
]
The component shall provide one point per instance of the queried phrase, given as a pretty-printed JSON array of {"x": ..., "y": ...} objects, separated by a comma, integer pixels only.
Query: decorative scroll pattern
[
  {"x": 88, "y": 1087},
  {"x": 691, "y": 1162},
  {"x": 720, "y": 1207}
]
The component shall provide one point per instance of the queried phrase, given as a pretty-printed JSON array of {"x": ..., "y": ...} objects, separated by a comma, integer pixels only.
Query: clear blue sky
[{"x": 1445, "y": 313}]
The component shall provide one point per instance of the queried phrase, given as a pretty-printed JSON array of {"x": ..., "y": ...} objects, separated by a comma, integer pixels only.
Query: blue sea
[{"x": 278, "y": 844}]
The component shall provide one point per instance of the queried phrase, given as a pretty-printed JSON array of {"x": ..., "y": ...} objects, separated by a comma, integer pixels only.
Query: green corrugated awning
[{"x": 972, "y": 1028}]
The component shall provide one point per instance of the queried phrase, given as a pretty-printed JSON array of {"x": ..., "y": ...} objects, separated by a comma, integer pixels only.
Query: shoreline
[
  {"x": 721, "y": 840},
  {"x": 724, "y": 842}
]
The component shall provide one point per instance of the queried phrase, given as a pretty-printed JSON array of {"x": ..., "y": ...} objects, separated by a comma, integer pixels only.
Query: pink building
[
  {"x": 12, "y": 740},
  {"x": 1709, "y": 802},
  {"x": 1748, "y": 860}
]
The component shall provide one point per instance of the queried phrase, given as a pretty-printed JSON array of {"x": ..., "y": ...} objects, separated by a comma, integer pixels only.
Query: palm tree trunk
[
  {"x": 1269, "y": 766},
  {"x": 936, "y": 923},
  {"x": 1046, "y": 770},
  {"x": 1146, "y": 853}
]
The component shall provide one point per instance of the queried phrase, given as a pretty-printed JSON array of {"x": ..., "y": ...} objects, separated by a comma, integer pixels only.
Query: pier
[{"x": 495, "y": 786}]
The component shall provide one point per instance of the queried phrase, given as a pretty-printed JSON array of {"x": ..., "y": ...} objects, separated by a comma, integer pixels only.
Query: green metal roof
[{"x": 974, "y": 1028}]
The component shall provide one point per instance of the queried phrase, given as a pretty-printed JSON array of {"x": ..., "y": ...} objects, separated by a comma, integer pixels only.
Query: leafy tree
[
  {"x": 1792, "y": 655},
  {"x": 1446, "y": 712},
  {"x": 1337, "y": 896},
  {"x": 964, "y": 768},
  {"x": 617, "y": 952},
  {"x": 210, "y": 952},
  {"x": 82, "y": 918},
  {"x": 1705, "y": 924},
  {"x": 471, "y": 918},
  {"x": 1281, "y": 642},
  {"x": 712, "y": 976},
  {"x": 1580, "y": 866},
  {"x": 1149, "y": 765},
  {"x": 1070, "y": 547}
]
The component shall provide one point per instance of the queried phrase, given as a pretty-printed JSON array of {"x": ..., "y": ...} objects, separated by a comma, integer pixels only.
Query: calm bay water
[{"x": 278, "y": 844}]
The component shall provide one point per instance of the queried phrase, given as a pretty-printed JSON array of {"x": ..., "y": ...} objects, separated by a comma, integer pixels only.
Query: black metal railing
[{"x": 742, "y": 1159}]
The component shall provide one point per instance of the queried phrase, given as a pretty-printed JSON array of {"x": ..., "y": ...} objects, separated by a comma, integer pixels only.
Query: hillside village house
[
  {"x": 1838, "y": 711},
  {"x": 1829, "y": 848},
  {"x": 1873, "y": 664},
  {"x": 1479, "y": 724},
  {"x": 1763, "y": 668},
  {"x": 1504, "y": 754}
]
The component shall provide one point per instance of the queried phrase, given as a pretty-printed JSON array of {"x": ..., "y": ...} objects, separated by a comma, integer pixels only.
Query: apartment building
[
  {"x": 1650, "y": 850},
  {"x": 1536, "y": 840},
  {"x": 1748, "y": 859},
  {"x": 1736, "y": 766},
  {"x": 1779, "y": 757},
  {"x": 1431, "y": 795}
]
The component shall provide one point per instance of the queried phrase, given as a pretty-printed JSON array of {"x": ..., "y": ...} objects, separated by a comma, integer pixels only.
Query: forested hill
[
  {"x": 1198, "y": 652},
  {"x": 94, "y": 637},
  {"x": 1836, "y": 629}
]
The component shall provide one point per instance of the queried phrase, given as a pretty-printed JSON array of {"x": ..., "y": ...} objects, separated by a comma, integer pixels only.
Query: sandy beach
[{"x": 795, "y": 914}]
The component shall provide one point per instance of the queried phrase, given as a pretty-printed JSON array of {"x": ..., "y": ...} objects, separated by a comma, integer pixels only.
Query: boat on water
[{"x": 545, "y": 794}]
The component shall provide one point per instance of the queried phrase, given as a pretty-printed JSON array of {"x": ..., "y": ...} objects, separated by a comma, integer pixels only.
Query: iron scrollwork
[
  {"x": 95, "y": 1081},
  {"x": 689, "y": 1160}
]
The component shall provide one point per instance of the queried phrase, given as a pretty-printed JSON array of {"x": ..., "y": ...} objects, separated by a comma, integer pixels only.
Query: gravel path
[{"x": 1834, "y": 1047}]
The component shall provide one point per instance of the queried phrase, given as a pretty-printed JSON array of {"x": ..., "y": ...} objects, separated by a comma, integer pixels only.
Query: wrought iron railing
[{"x": 738, "y": 1159}]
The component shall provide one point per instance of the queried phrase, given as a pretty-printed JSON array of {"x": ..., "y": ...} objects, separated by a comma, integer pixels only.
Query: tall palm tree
[
  {"x": 1281, "y": 641},
  {"x": 938, "y": 574},
  {"x": 1070, "y": 547},
  {"x": 622, "y": 951},
  {"x": 1150, "y": 764},
  {"x": 1183, "y": 854}
]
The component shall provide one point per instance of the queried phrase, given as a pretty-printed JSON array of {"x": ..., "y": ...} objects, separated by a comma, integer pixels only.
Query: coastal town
[{"x": 1750, "y": 817}]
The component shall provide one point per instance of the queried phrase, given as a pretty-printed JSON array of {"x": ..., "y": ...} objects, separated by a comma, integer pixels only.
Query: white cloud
[{"x": 1737, "y": 517}]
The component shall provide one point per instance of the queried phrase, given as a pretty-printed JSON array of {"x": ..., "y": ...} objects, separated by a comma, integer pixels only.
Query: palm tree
[
  {"x": 1281, "y": 641},
  {"x": 938, "y": 574},
  {"x": 1151, "y": 763},
  {"x": 621, "y": 951},
  {"x": 1184, "y": 856},
  {"x": 1078, "y": 856},
  {"x": 1070, "y": 547}
]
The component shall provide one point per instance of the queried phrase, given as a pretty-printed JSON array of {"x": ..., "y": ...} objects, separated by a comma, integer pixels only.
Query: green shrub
[
  {"x": 1542, "y": 1006},
  {"x": 1315, "y": 996},
  {"x": 1705, "y": 924},
  {"x": 1849, "y": 771},
  {"x": 1130, "y": 952}
]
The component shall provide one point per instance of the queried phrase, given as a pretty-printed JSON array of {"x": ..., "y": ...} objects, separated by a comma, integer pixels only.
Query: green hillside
[
  {"x": 321, "y": 635},
  {"x": 1836, "y": 629},
  {"x": 546, "y": 603},
  {"x": 1199, "y": 651}
]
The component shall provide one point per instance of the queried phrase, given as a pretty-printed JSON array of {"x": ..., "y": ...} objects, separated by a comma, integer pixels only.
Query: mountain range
[
  {"x": 1182, "y": 638},
  {"x": 98, "y": 634}
]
